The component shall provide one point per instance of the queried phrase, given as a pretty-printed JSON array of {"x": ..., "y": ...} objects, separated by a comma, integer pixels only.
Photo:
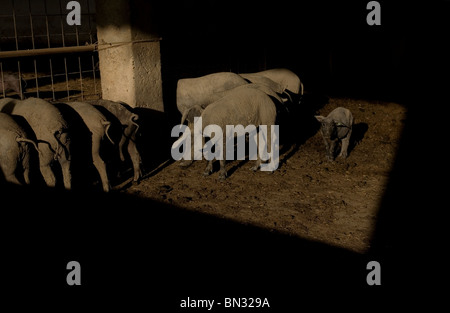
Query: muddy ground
[{"x": 331, "y": 202}]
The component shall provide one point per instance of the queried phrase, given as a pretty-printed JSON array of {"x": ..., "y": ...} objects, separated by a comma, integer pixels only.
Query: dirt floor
[
  {"x": 73, "y": 90},
  {"x": 308, "y": 196}
]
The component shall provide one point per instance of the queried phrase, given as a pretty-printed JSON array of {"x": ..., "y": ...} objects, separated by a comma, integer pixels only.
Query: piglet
[
  {"x": 337, "y": 126},
  {"x": 11, "y": 82}
]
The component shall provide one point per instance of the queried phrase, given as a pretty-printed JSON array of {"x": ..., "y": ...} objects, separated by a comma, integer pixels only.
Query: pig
[
  {"x": 98, "y": 125},
  {"x": 281, "y": 80},
  {"x": 14, "y": 150},
  {"x": 188, "y": 114},
  {"x": 336, "y": 127},
  {"x": 204, "y": 90},
  {"x": 241, "y": 106},
  {"x": 12, "y": 82},
  {"x": 51, "y": 131},
  {"x": 127, "y": 118}
]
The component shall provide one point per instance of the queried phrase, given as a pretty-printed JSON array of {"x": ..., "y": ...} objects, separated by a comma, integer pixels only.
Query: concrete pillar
[{"x": 130, "y": 72}]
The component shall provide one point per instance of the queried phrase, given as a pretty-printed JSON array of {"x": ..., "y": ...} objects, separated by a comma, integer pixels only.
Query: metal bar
[
  {"x": 93, "y": 73},
  {"x": 51, "y": 79},
  {"x": 45, "y": 51},
  {"x": 17, "y": 45},
  {"x": 46, "y": 24},
  {"x": 79, "y": 63},
  {"x": 32, "y": 42},
  {"x": 91, "y": 42},
  {"x": 36, "y": 78},
  {"x": 70, "y": 73},
  {"x": 81, "y": 77},
  {"x": 31, "y": 24},
  {"x": 55, "y": 14},
  {"x": 19, "y": 74},
  {"x": 49, "y": 59},
  {"x": 89, "y": 21},
  {"x": 64, "y": 44},
  {"x": 67, "y": 78},
  {"x": 62, "y": 23},
  {"x": 49, "y": 47},
  {"x": 15, "y": 26},
  {"x": 74, "y": 49},
  {"x": 37, "y": 35}
]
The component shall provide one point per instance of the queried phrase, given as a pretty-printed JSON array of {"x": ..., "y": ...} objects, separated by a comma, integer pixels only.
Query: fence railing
[{"x": 41, "y": 55}]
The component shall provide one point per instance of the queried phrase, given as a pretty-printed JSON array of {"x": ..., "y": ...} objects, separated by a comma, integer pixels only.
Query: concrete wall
[{"x": 130, "y": 72}]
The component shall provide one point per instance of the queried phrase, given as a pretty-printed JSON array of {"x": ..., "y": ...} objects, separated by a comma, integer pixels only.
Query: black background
[{"x": 327, "y": 43}]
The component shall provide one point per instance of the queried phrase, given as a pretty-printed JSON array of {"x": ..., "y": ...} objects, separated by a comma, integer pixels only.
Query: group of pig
[
  {"x": 223, "y": 98},
  {"x": 227, "y": 98},
  {"x": 50, "y": 130}
]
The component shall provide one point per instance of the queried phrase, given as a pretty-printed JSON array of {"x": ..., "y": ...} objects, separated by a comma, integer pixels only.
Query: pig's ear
[{"x": 320, "y": 118}]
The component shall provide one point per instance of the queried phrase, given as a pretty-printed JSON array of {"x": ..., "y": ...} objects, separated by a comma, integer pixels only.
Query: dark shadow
[
  {"x": 230, "y": 166},
  {"x": 84, "y": 174},
  {"x": 411, "y": 222},
  {"x": 117, "y": 171},
  {"x": 128, "y": 245},
  {"x": 169, "y": 88},
  {"x": 299, "y": 124},
  {"x": 159, "y": 168},
  {"x": 358, "y": 132},
  {"x": 11, "y": 94},
  {"x": 8, "y": 107},
  {"x": 240, "y": 164},
  {"x": 35, "y": 175},
  {"x": 154, "y": 140},
  {"x": 59, "y": 94},
  {"x": 2, "y": 179},
  {"x": 153, "y": 143}
]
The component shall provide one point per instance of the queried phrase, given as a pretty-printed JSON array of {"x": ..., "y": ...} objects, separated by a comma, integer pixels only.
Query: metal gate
[{"x": 43, "y": 56}]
